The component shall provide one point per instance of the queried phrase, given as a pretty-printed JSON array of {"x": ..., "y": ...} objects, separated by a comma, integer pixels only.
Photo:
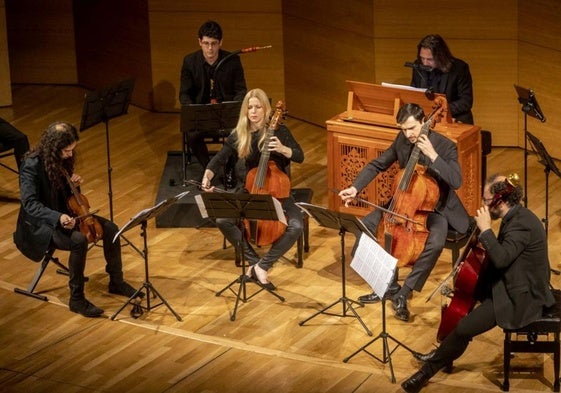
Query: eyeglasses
[{"x": 210, "y": 44}]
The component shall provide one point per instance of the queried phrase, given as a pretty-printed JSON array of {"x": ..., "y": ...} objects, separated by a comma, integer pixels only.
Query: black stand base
[
  {"x": 347, "y": 305},
  {"x": 149, "y": 288},
  {"x": 241, "y": 294},
  {"x": 386, "y": 352}
]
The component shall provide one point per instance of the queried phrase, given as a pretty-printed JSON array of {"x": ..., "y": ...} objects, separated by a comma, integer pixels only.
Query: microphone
[{"x": 417, "y": 66}]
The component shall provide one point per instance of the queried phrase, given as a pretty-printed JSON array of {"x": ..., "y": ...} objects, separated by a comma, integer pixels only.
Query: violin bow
[
  {"x": 200, "y": 185},
  {"x": 379, "y": 207}
]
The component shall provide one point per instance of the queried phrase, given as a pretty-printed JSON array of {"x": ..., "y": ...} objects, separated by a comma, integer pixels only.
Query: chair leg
[
  {"x": 556, "y": 359},
  {"x": 300, "y": 247},
  {"x": 31, "y": 288},
  {"x": 506, "y": 362},
  {"x": 306, "y": 233}
]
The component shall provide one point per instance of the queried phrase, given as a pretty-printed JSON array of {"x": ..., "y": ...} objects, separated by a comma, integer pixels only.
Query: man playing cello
[{"x": 439, "y": 157}]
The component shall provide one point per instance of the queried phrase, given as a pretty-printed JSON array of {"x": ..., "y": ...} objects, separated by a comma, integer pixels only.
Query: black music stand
[
  {"x": 142, "y": 218},
  {"x": 530, "y": 106},
  {"x": 378, "y": 264},
  {"x": 214, "y": 120},
  {"x": 101, "y": 106},
  {"x": 545, "y": 159},
  {"x": 240, "y": 206},
  {"x": 344, "y": 222}
]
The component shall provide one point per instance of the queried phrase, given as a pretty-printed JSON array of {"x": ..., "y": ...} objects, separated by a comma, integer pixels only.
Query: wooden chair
[
  {"x": 49, "y": 257},
  {"x": 541, "y": 336}
]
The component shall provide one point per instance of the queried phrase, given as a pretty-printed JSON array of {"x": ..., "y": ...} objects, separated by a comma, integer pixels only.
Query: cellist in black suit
[
  {"x": 439, "y": 156},
  {"x": 515, "y": 282}
]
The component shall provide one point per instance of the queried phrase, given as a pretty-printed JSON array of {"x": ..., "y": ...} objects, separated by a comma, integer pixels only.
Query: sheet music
[
  {"x": 374, "y": 264},
  {"x": 280, "y": 211},
  {"x": 201, "y": 206},
  {"x": 404, "y": 87}
]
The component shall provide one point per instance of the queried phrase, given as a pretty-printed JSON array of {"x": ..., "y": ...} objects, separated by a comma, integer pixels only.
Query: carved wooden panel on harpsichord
[{"x": 368, "y": 127}]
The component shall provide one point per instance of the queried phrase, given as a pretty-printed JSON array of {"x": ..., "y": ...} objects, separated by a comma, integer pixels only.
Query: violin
[
  {"x": 468, "y": 270},
  {"x": 268, "y": 179},
  {"x": 415, "y": 196},
  {"x": 80, "y": 207}
]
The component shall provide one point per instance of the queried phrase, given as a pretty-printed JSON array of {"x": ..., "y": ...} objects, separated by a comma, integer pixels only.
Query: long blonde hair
[{"x": 243, "y": 130}]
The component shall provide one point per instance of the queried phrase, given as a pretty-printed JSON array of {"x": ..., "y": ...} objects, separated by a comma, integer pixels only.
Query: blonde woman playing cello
[
  {"x": 439, "y": 156},
  {"x": 250, "y": 141}
]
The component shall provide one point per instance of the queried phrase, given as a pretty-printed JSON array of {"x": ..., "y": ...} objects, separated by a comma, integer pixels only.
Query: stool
[
  {"x": 527, "y": 340},
  {"x": 30, "y": 291},
  {"x": 455, "y": 240}
]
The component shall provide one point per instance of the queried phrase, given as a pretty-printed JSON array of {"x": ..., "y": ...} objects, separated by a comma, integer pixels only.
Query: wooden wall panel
[
  {"x": 174, "y": 34},
  {"x": 460, "y": 19},
  {"x": 113, "y": 43},
  {"x": 41, "y": 41},
  {"x": 5, "y": 80},
  {"x": 538, "y": 23},
  {"x": 325, "y": 45},
  {"x": 540, "y": 68}
]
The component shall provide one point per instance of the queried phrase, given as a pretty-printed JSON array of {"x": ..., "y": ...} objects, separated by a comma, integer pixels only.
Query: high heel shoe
[{"x": 267, "y": 284}]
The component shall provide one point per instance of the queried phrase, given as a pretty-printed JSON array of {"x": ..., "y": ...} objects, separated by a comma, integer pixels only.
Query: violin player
[
  {"x": 45, "y": 219},
  {"x": 248, "y": 142},
  {"x": 515, "y": 281},
  {"x": 439, "y": 156}
]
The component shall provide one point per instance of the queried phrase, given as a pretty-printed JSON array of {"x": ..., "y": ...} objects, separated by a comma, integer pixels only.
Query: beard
[{"x": 494, "y": 214}]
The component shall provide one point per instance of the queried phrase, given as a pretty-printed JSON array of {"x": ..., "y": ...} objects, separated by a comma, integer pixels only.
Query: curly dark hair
[
  {"x": 510, "y": 193},
  {"x": 210, "y": 29},
  {"x": 58, "y": 136},
  {"x": 439, "y": 49}
]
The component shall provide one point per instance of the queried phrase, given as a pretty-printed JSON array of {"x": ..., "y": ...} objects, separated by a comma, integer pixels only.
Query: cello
[
  {"x": 467, "y": 271},
  {"x": 268, "y": 179},
  {"x": 79, "y": 205},
  {"x": 415, "y": 196}
]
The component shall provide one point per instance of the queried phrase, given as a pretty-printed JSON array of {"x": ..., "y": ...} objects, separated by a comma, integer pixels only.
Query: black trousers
[
  {"x": 76, "y": 242},
  {"x": 480, "y": 320}
]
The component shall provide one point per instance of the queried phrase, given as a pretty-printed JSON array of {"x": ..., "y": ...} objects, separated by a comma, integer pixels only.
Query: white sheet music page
[{"x": 374, "y": 264}]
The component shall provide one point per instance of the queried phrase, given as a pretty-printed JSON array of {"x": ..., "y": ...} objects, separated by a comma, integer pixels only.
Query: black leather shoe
[
  {"x": 400, "y": 307},
  {"x": 415, "y": 382},
  {"x": 123, "y": 289},
  {"x": 424, "y": 357},
  {"x": 85, "y": 308},
  {"x": 373, "y": 298}
]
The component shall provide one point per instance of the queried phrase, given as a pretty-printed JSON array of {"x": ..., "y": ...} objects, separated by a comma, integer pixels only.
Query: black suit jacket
[
  {"x": 40, "y": 210},
  {"x": 456, "y": 84},
  {"x": 518, "y": 271},
  {"x": 229, "y": 81},
  {"x": 445, "y": 170}
]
